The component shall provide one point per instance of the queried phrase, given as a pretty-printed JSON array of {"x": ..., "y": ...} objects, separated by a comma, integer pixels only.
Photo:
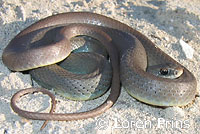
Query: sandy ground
[{"x": 164, "y": 22}]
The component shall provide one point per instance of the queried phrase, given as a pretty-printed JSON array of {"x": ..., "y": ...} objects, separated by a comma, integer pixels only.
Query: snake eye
[
  {"x": 163, "y": 71},
  {"x": 176, "y": 72}
]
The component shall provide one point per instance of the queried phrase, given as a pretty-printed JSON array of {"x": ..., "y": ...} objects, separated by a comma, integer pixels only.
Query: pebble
[
  {"x": 2, "y": 117},
  {"x": 21, "y": 12},
  {"x": 187, "y": 49}
]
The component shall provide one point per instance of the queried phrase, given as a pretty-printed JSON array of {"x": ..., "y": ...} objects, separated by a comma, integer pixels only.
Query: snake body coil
[{"x": 47, "y": 42}]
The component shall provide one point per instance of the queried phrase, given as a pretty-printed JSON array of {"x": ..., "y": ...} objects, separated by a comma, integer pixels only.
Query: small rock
[
  {"x": 20, "y": 12},
  {"x": 17, "y": 124},
  {"x": 166, "y": 38},
  {"x": 2, "y": 117},
  {"x": 187, "y": 49}
]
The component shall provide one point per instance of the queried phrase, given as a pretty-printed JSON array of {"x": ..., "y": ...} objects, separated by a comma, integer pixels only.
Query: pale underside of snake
[{"x": 130, "y": 52}]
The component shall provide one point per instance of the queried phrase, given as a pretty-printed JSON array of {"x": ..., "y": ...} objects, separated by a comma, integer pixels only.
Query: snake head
[{"x": 170, "y": 71}]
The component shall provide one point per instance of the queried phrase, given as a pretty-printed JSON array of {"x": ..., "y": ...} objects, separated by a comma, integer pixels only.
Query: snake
[{"x": 131, "y": 54}]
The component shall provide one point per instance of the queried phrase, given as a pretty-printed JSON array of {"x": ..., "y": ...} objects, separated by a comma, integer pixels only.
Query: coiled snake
[{"x": 130, "y": 52}]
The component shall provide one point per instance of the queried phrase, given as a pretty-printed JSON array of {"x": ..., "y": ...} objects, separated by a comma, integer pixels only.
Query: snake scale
[{"x": 130, "y": 55}]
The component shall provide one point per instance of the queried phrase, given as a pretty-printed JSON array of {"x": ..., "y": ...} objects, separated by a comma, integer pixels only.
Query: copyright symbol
[{"x": 102, "y": 123}]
